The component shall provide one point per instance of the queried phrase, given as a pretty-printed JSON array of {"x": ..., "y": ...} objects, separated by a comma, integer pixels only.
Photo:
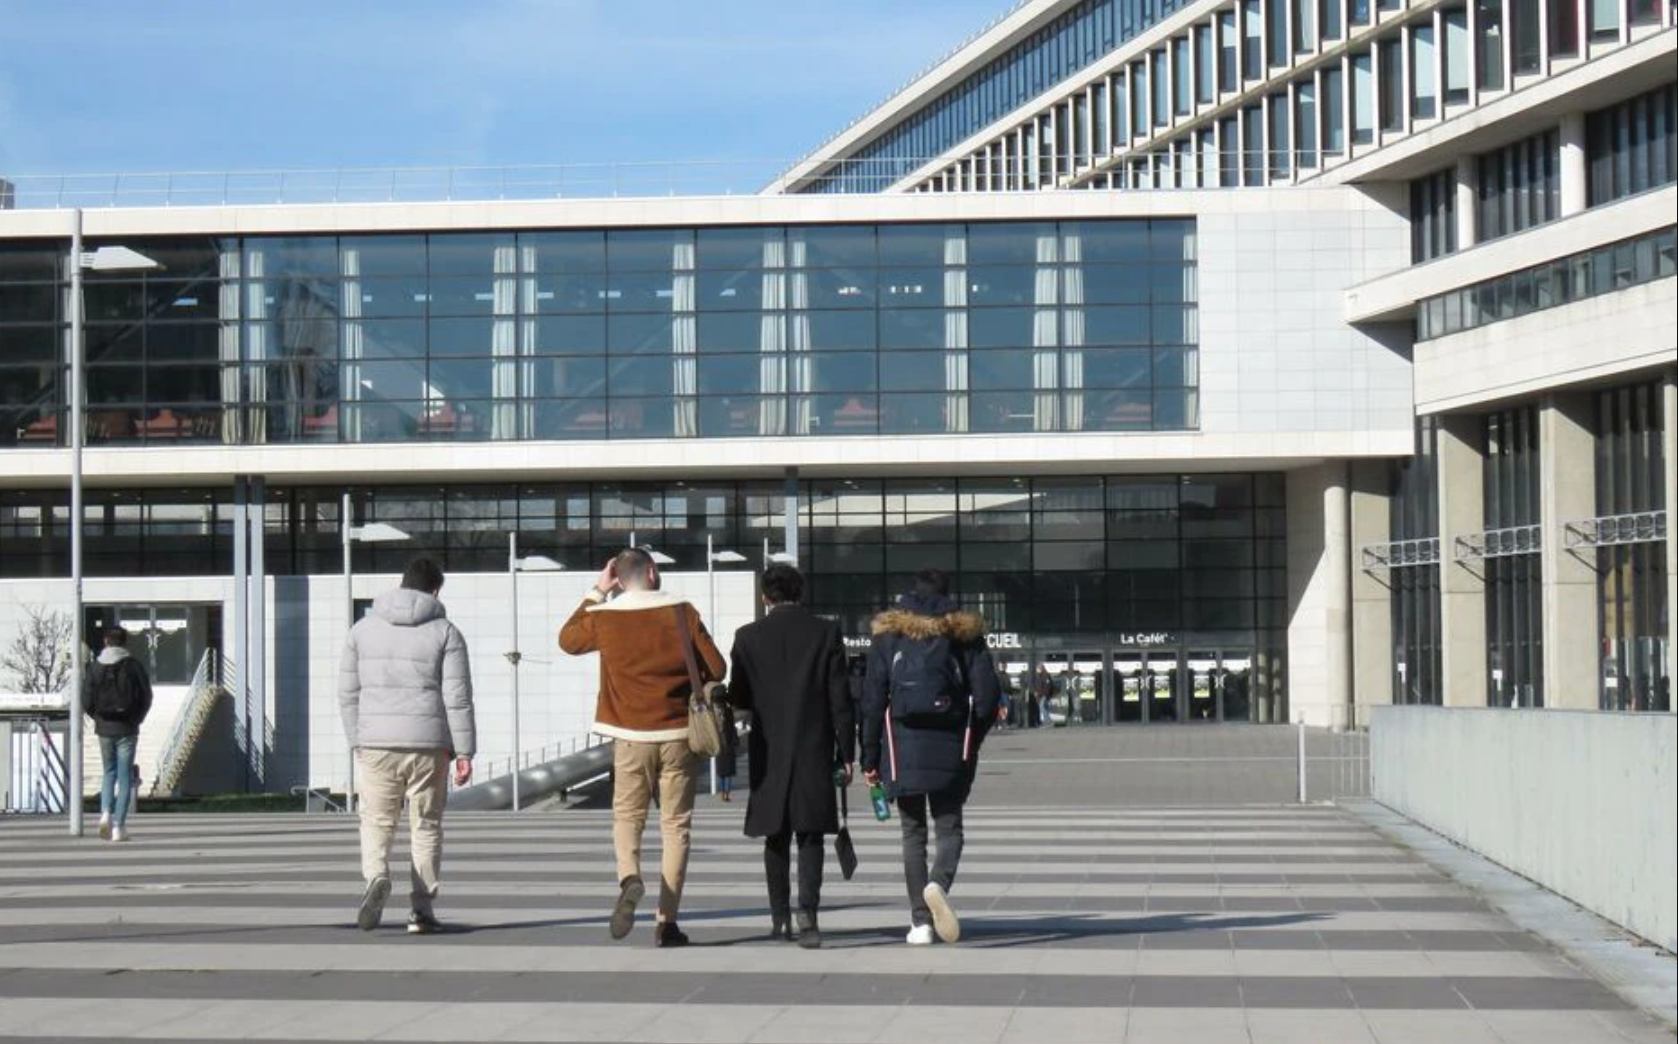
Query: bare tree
[{"x": 39, "y": 657}]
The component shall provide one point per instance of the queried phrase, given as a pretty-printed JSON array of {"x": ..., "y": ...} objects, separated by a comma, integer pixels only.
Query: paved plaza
[{"x": 1261, "y": 923}]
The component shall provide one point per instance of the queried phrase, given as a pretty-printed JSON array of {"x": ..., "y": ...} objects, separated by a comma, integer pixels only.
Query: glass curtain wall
[
  {"x": 1632, "y": 147},
  {"x": 635, "y": 333},
  {"x": 1514, "y": 592},
  {"x": 1636, "y": 669},
  {"x": 1199, "y": 557},
  {"x": 1414, "y": 515}
]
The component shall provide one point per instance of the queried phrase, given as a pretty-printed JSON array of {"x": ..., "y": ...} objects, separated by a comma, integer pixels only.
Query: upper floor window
[{"x": 1633, "y": 146}]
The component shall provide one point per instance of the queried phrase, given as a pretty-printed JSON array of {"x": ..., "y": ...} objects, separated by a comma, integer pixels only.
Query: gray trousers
[{"x": 946, "y": 819}]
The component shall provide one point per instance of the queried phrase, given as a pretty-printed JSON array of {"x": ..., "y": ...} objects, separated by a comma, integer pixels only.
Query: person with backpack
[
  {"x": 931, "y": 697},
  {"x": 117, "y": 696}
]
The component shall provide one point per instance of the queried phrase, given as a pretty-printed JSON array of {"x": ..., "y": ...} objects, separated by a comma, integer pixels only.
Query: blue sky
[{"x": 100, "y": 86}]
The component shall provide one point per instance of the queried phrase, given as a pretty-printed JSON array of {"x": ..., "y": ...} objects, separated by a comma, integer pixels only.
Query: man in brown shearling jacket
[{"x": 644, "y": 689}]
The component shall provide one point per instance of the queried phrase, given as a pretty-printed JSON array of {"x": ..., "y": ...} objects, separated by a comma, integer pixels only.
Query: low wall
[{"x": 1583, "y": 803}]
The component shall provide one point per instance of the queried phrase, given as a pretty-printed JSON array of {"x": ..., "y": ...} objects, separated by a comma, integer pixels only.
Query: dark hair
[
  {"x": 782, "y": 584},
  {"x": 634, "y": 563},
  {"x": 423, "y": 574},
  {"x": 932, "y": 583},
  {"x": 116, "y": 636}
]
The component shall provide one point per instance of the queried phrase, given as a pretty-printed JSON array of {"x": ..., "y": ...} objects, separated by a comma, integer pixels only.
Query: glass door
[
  {"x": 1236, "y": 674},
  {"x": 1166, "y": 684},
  {"x": 1016, "y": 686},
  {"x": 1075, "y": 684},
  {"x": 1131, "y": 687},
  {"x": 1204, "y": 692}
]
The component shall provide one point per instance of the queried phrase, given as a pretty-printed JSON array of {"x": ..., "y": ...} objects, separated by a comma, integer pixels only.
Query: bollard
[{"x": 1302, "y": 761}]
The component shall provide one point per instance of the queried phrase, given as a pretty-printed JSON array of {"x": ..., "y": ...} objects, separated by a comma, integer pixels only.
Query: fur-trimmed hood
[{"x": 958, "y": 625}]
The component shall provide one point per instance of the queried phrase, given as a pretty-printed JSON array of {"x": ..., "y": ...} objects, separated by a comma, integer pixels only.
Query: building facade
[{"x": 1241, "y": 362}]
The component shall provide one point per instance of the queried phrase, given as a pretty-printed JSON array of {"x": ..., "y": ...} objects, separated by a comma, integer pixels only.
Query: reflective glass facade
[
  {"x": 637, "y": 333},
  {"x": 1060, "y": 48},
  {"x": 1166, "y": 566},
  {"x": 1633, "y": 612},
  {"x": 1617, "y": 266},
  {"x": 1514, "y": 581},
  {"x": 1418, "y": 643}
]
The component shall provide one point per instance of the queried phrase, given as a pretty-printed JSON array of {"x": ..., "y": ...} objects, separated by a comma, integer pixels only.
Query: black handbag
[{"x": 842, "y": 846}]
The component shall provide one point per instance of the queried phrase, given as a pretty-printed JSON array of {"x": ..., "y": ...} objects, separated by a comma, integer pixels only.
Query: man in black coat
[
  {"x": 789, "y": 672},
  {"x": 929, "y": 759}
]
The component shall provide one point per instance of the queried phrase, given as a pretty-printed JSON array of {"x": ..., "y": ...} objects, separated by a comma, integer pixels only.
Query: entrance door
[
  {"x": 1145, "y": 683},
  {"x": 1077, "y": 688},
  {"x": 1237, "y": 684},
  {"x": 1203, "y": 695},
  {"x": 1132, "y": 686}
]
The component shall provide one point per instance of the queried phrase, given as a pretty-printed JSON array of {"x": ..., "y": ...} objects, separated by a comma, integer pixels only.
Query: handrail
[{"x": 204, "y": 687}]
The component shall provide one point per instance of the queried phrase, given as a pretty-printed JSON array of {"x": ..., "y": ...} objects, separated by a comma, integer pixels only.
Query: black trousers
[
  {"x": 946, "y": 818},
  {"x": 777, "y": 867}
]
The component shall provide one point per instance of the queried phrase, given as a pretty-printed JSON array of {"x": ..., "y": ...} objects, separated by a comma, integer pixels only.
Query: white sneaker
[
  {"x": 944, "y": 919},
  {"x": 919, "y": 935},
  {"x": 105, "y": 826},
  {"x": 119, "y": 833}
]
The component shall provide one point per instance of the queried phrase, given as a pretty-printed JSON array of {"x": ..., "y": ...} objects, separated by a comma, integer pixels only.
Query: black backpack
[
  {"x": 926, "y": 681},
  {"x": 114, "y": 693}
]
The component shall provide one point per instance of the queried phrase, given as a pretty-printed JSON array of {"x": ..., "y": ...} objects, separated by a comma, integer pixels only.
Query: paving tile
[{"x": 1308, "y": 1027}]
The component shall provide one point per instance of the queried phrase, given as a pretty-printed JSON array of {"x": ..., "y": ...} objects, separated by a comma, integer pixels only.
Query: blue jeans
[{"x": 116, "y": 792}]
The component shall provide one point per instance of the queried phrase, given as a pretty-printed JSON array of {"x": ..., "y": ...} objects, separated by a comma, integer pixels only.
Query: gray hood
[{"x": 408, "y": 608}]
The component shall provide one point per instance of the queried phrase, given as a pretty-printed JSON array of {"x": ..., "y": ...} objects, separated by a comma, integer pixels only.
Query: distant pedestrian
[
  {"x": 405, "y": 694},
  {"x": 789, "y": 673},
  {"x": 643, "y": 707},
  {"x": 116, "y": 694},
  {"x": 932, "y": 696}
]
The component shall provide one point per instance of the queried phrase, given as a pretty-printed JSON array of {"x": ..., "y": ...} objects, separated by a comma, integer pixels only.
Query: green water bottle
[{"x": 882, "y": 807}]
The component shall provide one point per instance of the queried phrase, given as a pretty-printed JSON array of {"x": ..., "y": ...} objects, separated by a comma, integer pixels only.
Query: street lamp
[
  {"x": 372, "y": 533},
  {"x": 104, "y": 259},
  {"x": 658, "y": 557},
  {"x": 777, "y": 556},
  {"x": 515, "y": 565}
]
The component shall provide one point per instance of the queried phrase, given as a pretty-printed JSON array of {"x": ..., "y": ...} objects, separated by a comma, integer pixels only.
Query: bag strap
[
  {"x": 694, "y": 678},
  {"x": 844, "y": 806}
]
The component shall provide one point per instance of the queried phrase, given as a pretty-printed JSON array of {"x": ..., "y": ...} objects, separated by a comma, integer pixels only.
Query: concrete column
[
  {"x": 1669, "y": 439},
  {"x": 1567, "y": 492},
  {"x": 1372, "y": 622},
  {"x": 1466, "y": 235},
  {"x": 1575, "y": 192},
  {"x": 1319, "y": 595},
  {"x": 1462, "y": 586}
]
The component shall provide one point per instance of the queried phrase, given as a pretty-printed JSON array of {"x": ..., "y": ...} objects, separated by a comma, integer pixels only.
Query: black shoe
[
  {"x": 623, "y": 914},
  {"x": 423, "y": 924},
  {"x": 809, "y": 936},
  {"x": 667, "y": 936},
  {"x": 780, "y": 927}
]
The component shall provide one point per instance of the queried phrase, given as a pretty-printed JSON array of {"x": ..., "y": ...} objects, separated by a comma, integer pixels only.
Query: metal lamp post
[
  {"x": 372, "y": 533},
  {"x": 105, "y": 259},
  {"x": 712, "y": 557},
  {"x": 516, "y": 565}
]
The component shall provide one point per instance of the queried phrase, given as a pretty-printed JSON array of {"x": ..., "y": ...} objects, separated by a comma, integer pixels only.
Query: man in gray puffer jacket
[{"x": 405, "y": 693}]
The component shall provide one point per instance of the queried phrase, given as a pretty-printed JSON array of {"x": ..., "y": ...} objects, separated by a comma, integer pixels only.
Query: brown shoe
[{"x": 630, "y": 894}]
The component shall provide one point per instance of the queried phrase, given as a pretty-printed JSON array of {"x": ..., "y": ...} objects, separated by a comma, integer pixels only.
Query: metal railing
[
  {"x": 1642, "y": 527},
  {"x": 1333, "y": 763},
  {"x": 39, "y": 780},
  {"x": 1401, "y": 553},
  {"x": 203, "y": 691},
  {"x": 1499, "y": 543}
]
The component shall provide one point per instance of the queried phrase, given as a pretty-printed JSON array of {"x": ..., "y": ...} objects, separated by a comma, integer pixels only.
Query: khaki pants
[
  {"x": 388, "y": 776},
  {"x": 639, "y": 771}
]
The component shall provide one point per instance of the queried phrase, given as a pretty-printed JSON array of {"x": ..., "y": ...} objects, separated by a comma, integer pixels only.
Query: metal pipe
[
  {"x": 78, "y": 642},
  {"x": 349, "y": 615}
]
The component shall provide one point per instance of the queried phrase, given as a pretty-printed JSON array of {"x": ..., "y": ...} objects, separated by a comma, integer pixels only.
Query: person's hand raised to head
[{"x": 607, "y": 581}]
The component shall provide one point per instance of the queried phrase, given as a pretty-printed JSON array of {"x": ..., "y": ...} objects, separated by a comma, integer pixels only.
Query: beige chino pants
[
  {"x": 639, "y": 771},
  {"x": 422, "y": 778}
]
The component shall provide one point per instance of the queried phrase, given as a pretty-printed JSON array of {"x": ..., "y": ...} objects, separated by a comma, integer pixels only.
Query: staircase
[{"x": 203, "y": 694}]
